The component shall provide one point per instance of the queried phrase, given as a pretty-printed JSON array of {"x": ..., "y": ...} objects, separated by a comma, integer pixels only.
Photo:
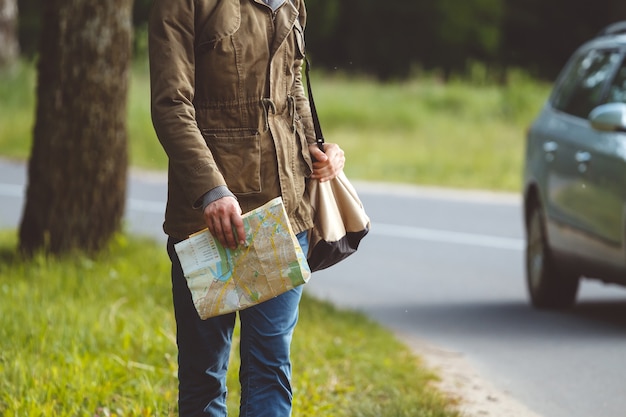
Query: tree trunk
[
  {"x": 78, "y": 163},
  {"x": 9, "y": 47}
]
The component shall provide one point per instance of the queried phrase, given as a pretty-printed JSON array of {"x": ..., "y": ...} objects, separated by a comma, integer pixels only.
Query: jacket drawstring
[
  {"x": 291, "y": 104},
  {"x": 268, "y": 105}
]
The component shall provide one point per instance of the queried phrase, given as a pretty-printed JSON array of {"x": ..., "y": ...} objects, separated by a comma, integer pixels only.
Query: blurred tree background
[
  {"x": 9, "y": 49},
  {"x": 396, "y": 38},
  {"x": 479, "y": 40}
]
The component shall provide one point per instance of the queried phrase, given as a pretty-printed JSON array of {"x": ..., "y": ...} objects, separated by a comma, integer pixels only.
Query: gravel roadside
[{"x": 474, "y": 396}]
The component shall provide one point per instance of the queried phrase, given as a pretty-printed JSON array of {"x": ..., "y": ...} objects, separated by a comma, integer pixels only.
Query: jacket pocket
[
  {"x": 237, "y": 153},
  {"x": 222, "y": 22}
]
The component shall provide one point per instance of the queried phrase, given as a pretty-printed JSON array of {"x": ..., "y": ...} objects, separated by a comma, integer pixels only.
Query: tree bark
[
  {"x": 9, "y": 46},
  {"x": 77, "y": 168}
]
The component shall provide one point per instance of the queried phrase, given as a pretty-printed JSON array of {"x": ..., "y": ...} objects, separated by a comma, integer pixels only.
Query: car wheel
[{"x": 547, "y": 286}]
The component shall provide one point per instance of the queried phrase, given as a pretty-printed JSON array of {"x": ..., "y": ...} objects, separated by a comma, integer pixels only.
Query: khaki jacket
[{"x": 228, "y": 105}]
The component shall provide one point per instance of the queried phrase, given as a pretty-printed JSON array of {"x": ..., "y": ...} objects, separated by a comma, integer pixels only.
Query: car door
[
  {"x": 580, "y": 190},
  {"x": 601, "y": 163}
]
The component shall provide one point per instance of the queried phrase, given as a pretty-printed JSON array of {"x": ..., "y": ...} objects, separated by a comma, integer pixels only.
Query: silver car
[{"x": 575, "y": 175}]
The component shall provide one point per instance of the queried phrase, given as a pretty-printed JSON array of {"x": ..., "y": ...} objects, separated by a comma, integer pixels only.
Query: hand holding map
[{"x": 223, "y": 280}]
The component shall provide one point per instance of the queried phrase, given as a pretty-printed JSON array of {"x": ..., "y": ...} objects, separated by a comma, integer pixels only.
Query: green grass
[
  {"x": 95, "y": 336},
  {"x": 459, "y": 134}
]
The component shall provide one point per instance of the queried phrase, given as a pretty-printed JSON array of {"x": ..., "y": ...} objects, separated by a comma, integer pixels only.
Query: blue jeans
[{"x": 204, "y": 349}]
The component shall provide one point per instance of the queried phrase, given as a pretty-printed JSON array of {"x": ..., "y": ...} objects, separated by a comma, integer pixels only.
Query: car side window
[
  {"x": 567, "y": 83},
  {"x": 582, "y": 87},
  {"x": 617, "y": 91}
]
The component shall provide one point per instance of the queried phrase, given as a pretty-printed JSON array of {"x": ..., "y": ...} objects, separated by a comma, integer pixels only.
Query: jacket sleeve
[
  {"x": 302, "y": 103},
  {"x": 172, "y": 83}
]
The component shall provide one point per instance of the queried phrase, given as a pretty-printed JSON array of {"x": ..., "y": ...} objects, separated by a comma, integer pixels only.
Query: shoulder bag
[{"x": 339, "y": 218}]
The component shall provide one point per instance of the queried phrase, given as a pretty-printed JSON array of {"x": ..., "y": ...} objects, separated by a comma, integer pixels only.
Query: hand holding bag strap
[{"x": 340, "y": 221}]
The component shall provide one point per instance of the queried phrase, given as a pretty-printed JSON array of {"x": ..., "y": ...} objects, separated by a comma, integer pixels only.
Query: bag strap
[{"x": 319, "y": 136}]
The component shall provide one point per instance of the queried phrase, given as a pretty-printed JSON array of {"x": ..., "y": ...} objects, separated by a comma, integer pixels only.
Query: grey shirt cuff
[{"x": 215, "y": 194}]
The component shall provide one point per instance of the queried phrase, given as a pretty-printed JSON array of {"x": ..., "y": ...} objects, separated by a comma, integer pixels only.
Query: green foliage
[
  {"x": 471, "y": 32},
  {"x": 145, "y": 150},
  {"x": 387, "y": 40},
  {"x": 17, "y": 109},
  {"x": 468, "y": 132},
  {"x": 457, "y": 134},
  {"x": 86, "y": 336},
  {"x": 540, "y": 35},
  {"x": 29, "y": 26}
]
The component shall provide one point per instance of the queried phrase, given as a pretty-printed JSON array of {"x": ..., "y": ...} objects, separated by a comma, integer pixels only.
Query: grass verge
[{"x": 95, "y": 337}]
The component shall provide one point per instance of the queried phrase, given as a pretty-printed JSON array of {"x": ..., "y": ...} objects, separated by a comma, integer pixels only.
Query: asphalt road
[{"x": 447, "y": 267}]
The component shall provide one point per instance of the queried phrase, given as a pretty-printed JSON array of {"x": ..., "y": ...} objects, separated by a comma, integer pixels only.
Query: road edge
[{"x": 458, "y": 380}]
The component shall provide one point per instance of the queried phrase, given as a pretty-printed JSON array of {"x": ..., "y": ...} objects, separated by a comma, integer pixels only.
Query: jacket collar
[{"x": 284, "y": 22}]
